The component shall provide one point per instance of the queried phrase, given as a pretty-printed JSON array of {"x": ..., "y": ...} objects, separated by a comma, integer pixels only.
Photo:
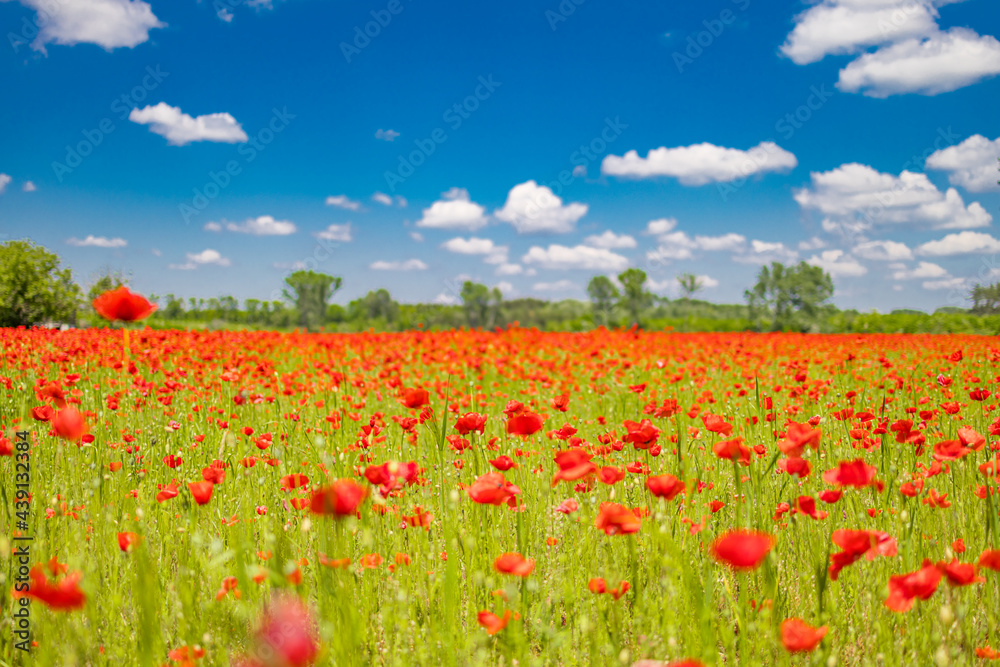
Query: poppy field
[{"x": 500, "y": 498}]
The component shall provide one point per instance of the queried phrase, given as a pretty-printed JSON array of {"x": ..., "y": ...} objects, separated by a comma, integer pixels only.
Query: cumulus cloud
[
  {"x": 264, "y": 225},
  {"x": 492, "y": 253},
  {"x": 883, "y": 251},
  {"x": 5, "y": 180},
  {"x": 29, "y": 186},
  {"x": 578, "y": 257},
  {"x": 181, "y": 129},
  {"x": 945, "y": 283},
  {"x": 963, "y": 243},
  {"x": 558, "y": 286},
  {"x": 661, "y": 226},
  {"x": 971, "y": 164},
  {"x": 406, "y": 265},
  {"x": 815, "y": 243},
  {"x": 610, "y": 240},
  {"x": 339, "y": 233},
  {"x": 108, "y": 23},
  {"x": 856, "y": 196},
  {"x": 938, "y": 64},
  {"x": 203, "y": 258},
  {"x": 98, "y": 242},
  {"x": 454, "y": 211},
  {"x": 921, "y": 271},
  {"x": 532, "y": 208},
  {"x": 344, "y": 202},
  {"x": 725, "y": 242},
  {"x": 765, "y": 252},
  {"x": 837, "y": 264},
  {"x": 677, "y": 245},
  {"x": 700, "y": 164},
  {"x": 848, "y": 26},
  {"x": 508, "y": 269},
  {"x": 386, "y": 135}
]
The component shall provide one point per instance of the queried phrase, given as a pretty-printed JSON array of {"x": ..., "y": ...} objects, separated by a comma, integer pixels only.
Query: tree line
[{"x": 36, "y": 290}]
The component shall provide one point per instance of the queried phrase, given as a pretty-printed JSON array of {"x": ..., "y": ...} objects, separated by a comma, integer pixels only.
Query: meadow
[{"x": 500, "y": 498}]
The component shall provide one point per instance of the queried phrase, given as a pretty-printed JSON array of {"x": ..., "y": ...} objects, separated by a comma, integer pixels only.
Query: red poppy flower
[
  {"x": 742, "y": 550},
  {"x": 717, "y": 424},
  {"x": 597, "y": 585},
  {"x": 573, "y": 464},
  {"x": 568, "y": 506},
  {"x": 43, "y": 413},
  {"x": 615, "y": 519},
  {"x": 492, "y": 622},
  {"x": 960, "y": 574},
  {"x": 341, "y": 498},
  {"x": 503, "y": 463},
  {"x": 493, "y": 489},
  {"x": 201, "y": 491},
  {"x": 610, "y": 475},
  {"x": 293, "y": 481},
  {"x": 167, "y": 491},
  {"x": 797, "y": 438},
  {"x": 807, "y": 505},
  {"x": 470, "y": 422},
  {"x": 641, "y": 434},
  {"x": 857, "y": 543},
  {"x": 969, "y": 437},
  {"x": 524, "y": 424},
  {"x": 123, "y": 305},
  {"x": 69, "y": 424},
  {"x": 665, "y": 486},
  {"x": 415, "y": 398},
  {"x": 855, "y": 473},
  {"x": 287, "y": 630},
  {"x": 62, "y": 595},
  {"x": 990, "y": 559},
  {"x": 733, "y": 450},
  {"x": 950, "y": 450},
  {"x": 127, "y": 540},
  {"x": 905, "y": 588},
  {"x": 797, "y": 636},
  {"x": 514, "y": 563}
]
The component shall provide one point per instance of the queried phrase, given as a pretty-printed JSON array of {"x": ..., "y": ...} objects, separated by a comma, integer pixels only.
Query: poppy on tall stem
[{"x": 123, "y": 305}]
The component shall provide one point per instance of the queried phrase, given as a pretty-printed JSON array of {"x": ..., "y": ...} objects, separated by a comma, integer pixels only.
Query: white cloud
[
  {"x": 417, "y": 236},
  {"x": 29, "y": 186},
  {"x": 857, "y": 196},
  {"x": 107, "y": 23},
  {"x": 726, "y": 242},
  {"x": 943, "y": 62},
  {"x": 815, "y": 243},
  {"x": 180, "y": 128},
  {"x": 446, "y": 299},
  {"x": 923, "y": 270},
  {"x": 673, "y": 246},
  {"x": 610, "y": 240},
  {"x": 701, "y": 163},
  {"x": 533, "y": 208},
  {"x": 509, "y": 270},
  {"x": 963, "y": 243},
  {"x": 764, "y": 252},
  {"x": 203, "y": 258},
  {"x": 340, "y": 233},
  {"x": 407, "y": 265},
  {"x": 386, "y": 135},
  {"x": 837, "y": 264},
  {"x": 660, "y": 226},
  {"x": 98, "y": 242},
  {"x": 971, "y": 164},
  {"x": 946, "y": 283},
  {"x": 382, "y": 198},
  {"x": 264, "y": 225},
  {"x": 847, "y": 26},
  {"x": 578, "y": 257},
  {"x": 883, "y": 251},
  {"x": 454, "y": 211},
  {"x": 344, "y": 202},
  {"x": 5, "y": 180},
  {"x": 558, "y": 286},
  {"x": 506, "y": 288},
  {"x": 493, "y": 253}
]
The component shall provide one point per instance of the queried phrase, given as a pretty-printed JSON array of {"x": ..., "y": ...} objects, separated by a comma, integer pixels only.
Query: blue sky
[{"x": 209, "y": 148}]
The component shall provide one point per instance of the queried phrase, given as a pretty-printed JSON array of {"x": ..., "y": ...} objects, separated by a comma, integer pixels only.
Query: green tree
[
  {"x": 689, "y": 284},
  {"x": 985, "y": 299},
  {"x": 310, "y": 292},
  {"x": 377, "y": 305},
  {"x": 603, "y": 295},
  {"x": 792, "y": 298},
  {"x": 107, "y": 280},
  {"x": 33, "y": 287},
  {"x": 481, "y": 304},
  {"x": 174, "y": 309},
  {"x": 635, "y": 298}
]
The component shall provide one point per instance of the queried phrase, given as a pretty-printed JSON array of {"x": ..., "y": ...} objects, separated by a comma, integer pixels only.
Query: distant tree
[
  {"x": 603, "y": 294},
  {"x": 793, "y": 298},
  {"x": 689, "y": 284},
  {"x": 33, "y": 287},
  {"x": 985, "y": 299},
  {"x": 252, "y": 306},
  {"x": 310, "y": 292},
  {"x": 635, "y": 298},
  {"x": 106, "y": 280},
  {"x": 174, "y": 309},
  {"x": 481, "y": 304}
]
